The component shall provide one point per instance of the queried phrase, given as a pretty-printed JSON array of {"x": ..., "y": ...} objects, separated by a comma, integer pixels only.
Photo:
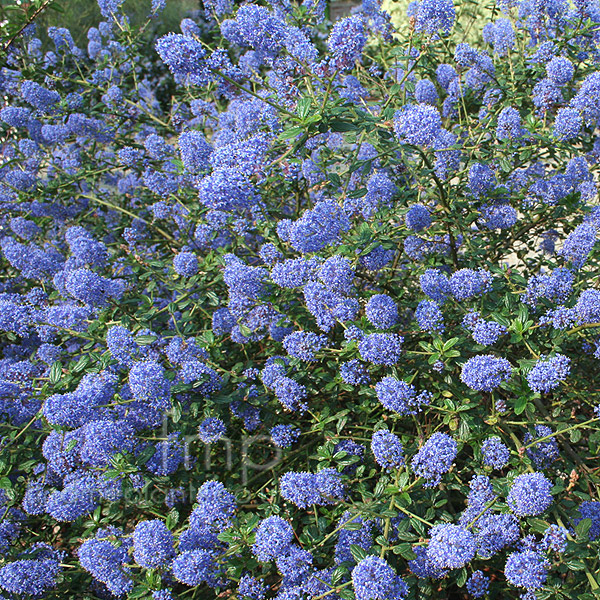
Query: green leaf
[
  {"x": 290, "y": 133},
  {"x": 139, "y": 591},
  {"x": 176, "y": 412},
  {"x": 520, "y": 404},
  {"x": 582, "y": 528},
  {"x": 357, "y": 552},
  {"x": 405, "y": 550},
  {"x": 538, "y": 525},
  {"x": 342, "y": 126},
  {"x": 337, "y": 575},
  {"x": 304, "y": 107},
  {"x": 172, "y": 518},
  {"x": 146, "y": 455},
  {"x": 449, "y": 343},
  {"x": 82, "y": 363},
  {"x": 71, "y": 445},
  {"x": 55, "y": 373},
  {"x": 359, "y": 193},
  {"x": 575, "y": 435},
  {"x": 575, "y": 565}
]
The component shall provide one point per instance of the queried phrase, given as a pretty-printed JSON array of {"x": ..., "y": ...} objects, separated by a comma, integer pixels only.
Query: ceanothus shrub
[{"x": 293, "y": 309}]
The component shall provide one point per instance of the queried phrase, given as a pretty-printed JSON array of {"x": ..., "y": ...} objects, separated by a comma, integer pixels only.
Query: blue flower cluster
[
  {"x": 304, "y": 489},
  {"x": 495, "y": 453},
  {"x": 529, "y": 494},
  {"x": 485, "y": 372},
  {"x": 435, "y": 458},
  {"x": 544, "y": 452},
  {"x": 450, "y": 546},
  {"x": 548, "y": 372},
  {"x": 374, "y": 579},
  {"x": 387, "y": 449},
  {"x": 400, "y": 396}
]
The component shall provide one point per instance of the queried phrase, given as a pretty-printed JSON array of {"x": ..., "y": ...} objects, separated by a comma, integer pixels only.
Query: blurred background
[{"x": 79, "y": 15}]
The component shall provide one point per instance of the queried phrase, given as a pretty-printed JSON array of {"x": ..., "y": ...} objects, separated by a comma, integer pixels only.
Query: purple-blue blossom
[
  {"x": 435, "y": 458},
  {"x": 527, "y": 569},
  {"x": 387, "y": 449},
  {"x": 381, "y": 311},
  {"x": 486, "y": 372},
  {"x": 450, "y": 546},
  {"x": 381, "y": 348},
  {"x": 495, "y": 453},
  {"x": 529, "y": 494},
  {"x": 401, "y": 397},
  {"x": 548, "y": 372},
  {"x": 374, "y": 579}
]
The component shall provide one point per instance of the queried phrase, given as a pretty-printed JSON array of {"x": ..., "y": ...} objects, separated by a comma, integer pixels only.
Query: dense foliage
[{"x": 300, "y": 310}]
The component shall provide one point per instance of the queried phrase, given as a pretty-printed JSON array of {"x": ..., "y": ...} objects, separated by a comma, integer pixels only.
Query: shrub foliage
[{"x": 300, "y": 310}]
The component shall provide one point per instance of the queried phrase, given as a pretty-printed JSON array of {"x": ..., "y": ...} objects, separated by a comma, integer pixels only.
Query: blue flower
[
  {"x": 542, "y": 454},
  {"x": 467, "y": 283},
  {"x": 381, "y": 348},
  {"x": 509, "y": 124},
  {"x": 495, "y": 453},
  {"x": 401, "y": 397},
  {"x": 435, "y": 16},
  {"x": 381, "y": 311},
  {"x": 195, "y": 567},
  {"x": 346, "y": 41},
  {"x": 185, "y": 264},
  {"x": 435, "y": 284},
  {"x": 387, "y": 449},
  {"x": 548, "y": 372},
  {"x": 107, "y": 564},
  {"x": 529, "y": 494},
  {"x": 485, "y": 372},
  {"x": 527, "y": 569},
  {"x": 481, "y": 179},
  {"x": 153, "y": 544},
  {"x": 587, "y": 308},
  {"x": 425, "y": 92},
  {"x": 148, "y": 383},
  {"x": 430, "y": 317},
  {"x": 184, "y": 56},
  {"x": 354, "y": 372},
  {"x": 579, "y": 244},
  {"x": 555, "y": 538},
  {"x": 560, "y": 70},
  {"x": 304, "y": 344},
  {"x": 435, "y": 458},
  {"x": 418, "y": 218},
  {"x": 30, "y": 577},
  {"x": 272, "y": 537},
  {"x": 450, "y": 546},
  {"x": 418, "y": 125},
  {"x": 284, "y": 435},
  {"x": 211, "y": 430},
  {"x": 304, "y": 489},
  {"x": 216, "y": 506},
  {"x": 478, "y": 584},
  {"x": 251, "y": 588},
  {"x": 374, "y": 579},
  {"x": 360, "y": 536}
]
